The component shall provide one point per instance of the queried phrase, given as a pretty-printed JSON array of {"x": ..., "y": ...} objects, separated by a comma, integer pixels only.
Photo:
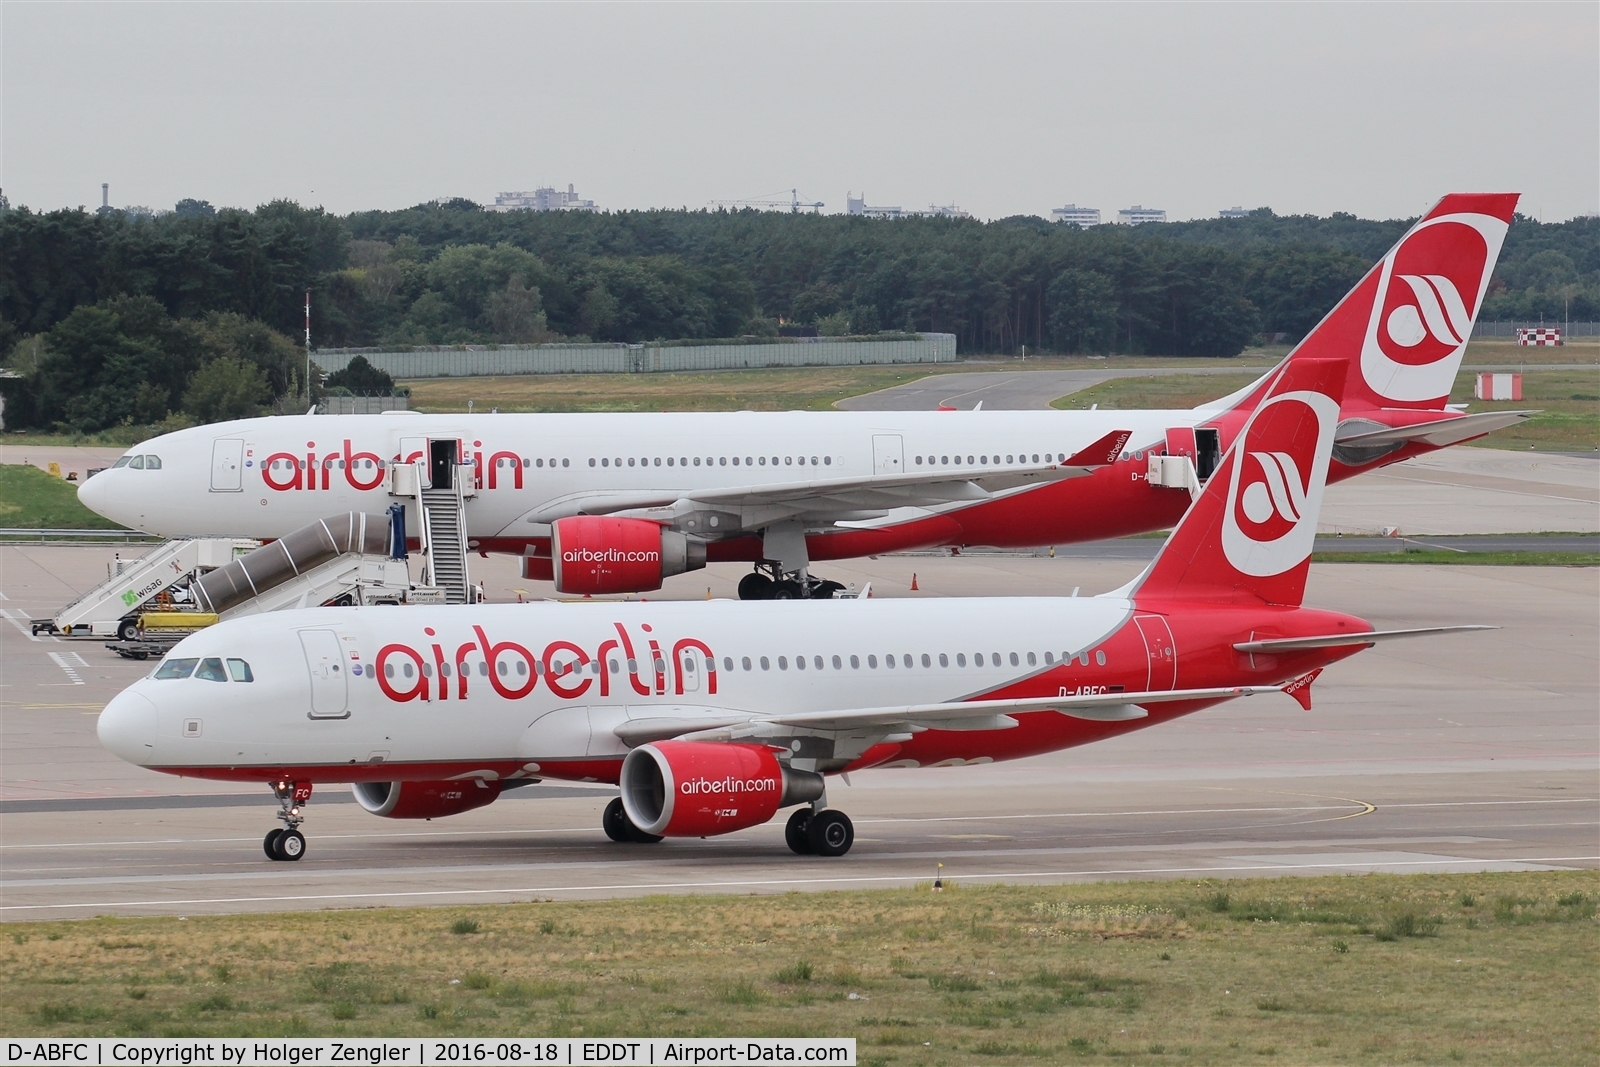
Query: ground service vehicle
[{"x": 714, "y": 716}]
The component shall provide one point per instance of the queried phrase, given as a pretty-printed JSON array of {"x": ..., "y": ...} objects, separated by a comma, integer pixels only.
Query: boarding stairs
[
  {"x": 444, "y": 520},
  {"x": 111, "y": 608}
]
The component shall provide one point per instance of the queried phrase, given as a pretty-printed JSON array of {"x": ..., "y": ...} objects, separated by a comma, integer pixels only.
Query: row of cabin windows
[
  {"x": 517, "y": 665},
  {"x": 366, "y": 464},
  {"x": 985, "y": 460},
  {"x": 907, "y": 660},
  {"x": 713, "y": 461},
  {"x": 138, "y": 463},
  {"x": 209, "y": 669}
]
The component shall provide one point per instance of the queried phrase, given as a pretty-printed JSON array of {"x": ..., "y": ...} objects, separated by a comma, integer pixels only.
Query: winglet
[
  {"x": 1102, "y": 452},
  {"x": 1300, "y": 688}
]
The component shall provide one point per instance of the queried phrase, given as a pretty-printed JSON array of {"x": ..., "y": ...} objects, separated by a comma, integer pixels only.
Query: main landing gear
[
  {"x": 785, "y": 585},
  {"x": 828, "y": 832},
  {"x": 620, "y": 828},
  {"x": 288, "y": 843}
]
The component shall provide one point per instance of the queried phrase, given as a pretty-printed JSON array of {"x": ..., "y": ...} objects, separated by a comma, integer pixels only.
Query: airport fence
[
  {"x": 471, "y": 361},
  {"x": 1508, "y": 330}
]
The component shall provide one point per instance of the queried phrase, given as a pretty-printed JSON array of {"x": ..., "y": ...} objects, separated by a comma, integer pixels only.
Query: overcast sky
[{"x": 1376, "y": 109}]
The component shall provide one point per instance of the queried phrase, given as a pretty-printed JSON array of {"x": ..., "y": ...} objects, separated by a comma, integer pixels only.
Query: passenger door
[
  {"x": 227, "y": 459},
  {"x": 888, "y": 454},
  {"x": 414, "y": 450},
  {"x": 330, "y": 697},
  {"x": 1160, "y": 651}
]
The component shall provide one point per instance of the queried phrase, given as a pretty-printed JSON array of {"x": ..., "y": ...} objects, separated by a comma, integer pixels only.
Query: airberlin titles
[
  {"x": 405, "y": 673},
  {"x": 287, "y": 472}
]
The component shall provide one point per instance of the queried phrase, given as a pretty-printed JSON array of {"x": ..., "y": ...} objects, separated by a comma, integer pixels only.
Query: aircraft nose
[
  {"x": 98, "y": 496},
  {"x": 127, "y": 727}
]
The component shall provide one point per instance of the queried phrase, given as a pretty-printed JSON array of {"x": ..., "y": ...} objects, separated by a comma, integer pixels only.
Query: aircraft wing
[
  {"x": 914, "y": 718},
  {"x": 1295, "y": 644},
  {"x": 755, "y": 505},
  {"x": 1441, "y": 432}
]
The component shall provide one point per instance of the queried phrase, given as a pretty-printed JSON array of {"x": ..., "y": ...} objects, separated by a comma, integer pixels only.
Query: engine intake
[
  {"x": 599, "y": 554},
  {"x": 700, "y": 789},
  {"x": 425, "y": 800}
]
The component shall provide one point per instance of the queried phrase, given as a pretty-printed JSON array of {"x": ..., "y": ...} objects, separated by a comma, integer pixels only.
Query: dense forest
[{"x": 125, "y": 317}]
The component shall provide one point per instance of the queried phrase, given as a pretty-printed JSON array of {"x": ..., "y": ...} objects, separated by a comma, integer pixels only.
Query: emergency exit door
[{"x": 888, "y": 454}]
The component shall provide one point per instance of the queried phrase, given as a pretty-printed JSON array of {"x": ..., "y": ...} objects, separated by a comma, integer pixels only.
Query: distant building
[
  {"x": 1234, "y": 213},
  {"x": 1082, "y": 217},
  {"x": 548, "y": 199},
  {"x": 1137, "y": 216},
  {"x": 859, "y": 206}
]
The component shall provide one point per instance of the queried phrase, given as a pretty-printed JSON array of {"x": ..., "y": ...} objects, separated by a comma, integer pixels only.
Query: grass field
[
  {"x": 1490, "y": 969},
  {"x": 31, "y": 498}
]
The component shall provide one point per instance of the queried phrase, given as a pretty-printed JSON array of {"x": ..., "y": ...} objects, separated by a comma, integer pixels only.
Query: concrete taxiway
[{"x": 1459, "y": 753}]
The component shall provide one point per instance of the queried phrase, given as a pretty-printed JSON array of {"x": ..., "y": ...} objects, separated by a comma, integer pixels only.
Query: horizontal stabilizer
[
  {"x": 1439, "y": 433},
  {"x": 1371, "y": 637}
]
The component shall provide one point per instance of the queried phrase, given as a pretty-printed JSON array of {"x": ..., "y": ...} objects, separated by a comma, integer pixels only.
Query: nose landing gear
[{"x": 288, "y": 843}]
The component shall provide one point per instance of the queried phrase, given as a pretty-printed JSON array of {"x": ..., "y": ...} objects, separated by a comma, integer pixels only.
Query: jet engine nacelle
[
  {"x": 424, "y": 800},
  {"x": 701, "y": 789},
  {"x": 599, "y": 554}
]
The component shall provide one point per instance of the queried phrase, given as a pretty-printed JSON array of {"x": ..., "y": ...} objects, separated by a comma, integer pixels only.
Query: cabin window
[
  {"x": 977, "y": 659},
  {"x": 727, "y": 663},
  {"x": 483, "y": 670},
  {"x": 906, "y": 659},
  {"x": 745, "y": 662},
  {"x": 944, "y": 660},
  {"x": 763, "y": 461},
  {"x": 838, "y": 664},
  {"x": 444, "y": 670},
  {"x": 564, "y": 463},
  {"x": 671, "y": 462},
  {"x": 919, "y": 461},
  {"x": 529, "y": 463},
  {"x": 855, "y": 663},
  {"x": 630, "y": 461},
  {"x": 961, "y": 659},
  {"x": 502, "y": 667},
  {"x": 697, "y": 461},
  {"x": 888, "y": 661},
  {"x": 1049, "y": 658},
  {"x": 926, "y": 661},
  {"x": 766, "y": 666},
  {"x": 427, "y": 670},
  {"x": 783, "y": 663},
  {"x": 240, "y": 670},
  {"x": 748, "y": 462},
  {"x": 176, "y": 668},
  {"x": 1031, "y": 659},
  {"x": 816, "y": 661},
  {"x": 658, "y": 461},
  {"x": 872, "y": 662},
  {"x": 799, "y": 663},
  {"x": 1099, "y": 658},
  {"x": 723, "y": 462}
]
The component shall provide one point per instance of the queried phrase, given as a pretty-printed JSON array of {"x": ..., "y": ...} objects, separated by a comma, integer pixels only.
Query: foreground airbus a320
[
  {"x": 615, "y": 503},
  {"x": 713, "y": 717}
]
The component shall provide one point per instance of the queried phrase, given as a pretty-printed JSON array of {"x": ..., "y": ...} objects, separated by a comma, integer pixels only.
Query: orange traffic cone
[
  {"x": 913, "y": 581},
  {"x": 708, "y": 592}
]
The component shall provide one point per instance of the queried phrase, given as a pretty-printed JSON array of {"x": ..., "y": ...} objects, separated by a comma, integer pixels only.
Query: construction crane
[{"x": 794, "y": 203}]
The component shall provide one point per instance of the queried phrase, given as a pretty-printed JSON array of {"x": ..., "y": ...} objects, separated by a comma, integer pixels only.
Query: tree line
[{"x": 118, "y": 317}]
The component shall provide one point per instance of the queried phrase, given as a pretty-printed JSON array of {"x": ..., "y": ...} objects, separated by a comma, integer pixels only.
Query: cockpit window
[
  {"x": 122, "y": 461},
  {"x": 136, "y": 463},
  {"x": 240, "y": 671},
  {"x": 210, "y": 670},
  {"x": 176, "y": 668},
  {"x": 152, "y": 463}
]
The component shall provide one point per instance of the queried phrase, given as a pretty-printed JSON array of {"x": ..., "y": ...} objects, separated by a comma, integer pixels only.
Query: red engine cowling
[
  {"x": 700, "y": 789},
  {"x": 598, "y": 554},
  {"x": 424, "y": 800}
]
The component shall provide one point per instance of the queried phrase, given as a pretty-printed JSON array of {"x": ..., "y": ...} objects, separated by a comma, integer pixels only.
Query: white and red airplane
[
  {"x": 628, "y": 499},
  {"x": 713, "y": 716}
]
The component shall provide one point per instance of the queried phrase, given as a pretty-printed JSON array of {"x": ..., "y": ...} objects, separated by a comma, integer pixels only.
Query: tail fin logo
[
  {"x": 1278, "y": 473},
  {"x": 1429, "y": 291}
]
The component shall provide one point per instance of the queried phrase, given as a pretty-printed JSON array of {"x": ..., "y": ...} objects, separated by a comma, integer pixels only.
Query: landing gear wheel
[
  {"x": 755, "y": 586},
  {"x": 127, "y": 630},
  {"x": 620, "y": 828},
  {"x": 786, "y": 590},
  {"x": 291, "y": 845},
  {"x": 270, "y": 845},
  {"x": 830, "y": 833},
  {"x": 794, "y": 833},
  {"x": 614, "y": 821},
  {"x": 825, "y": 590}
]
